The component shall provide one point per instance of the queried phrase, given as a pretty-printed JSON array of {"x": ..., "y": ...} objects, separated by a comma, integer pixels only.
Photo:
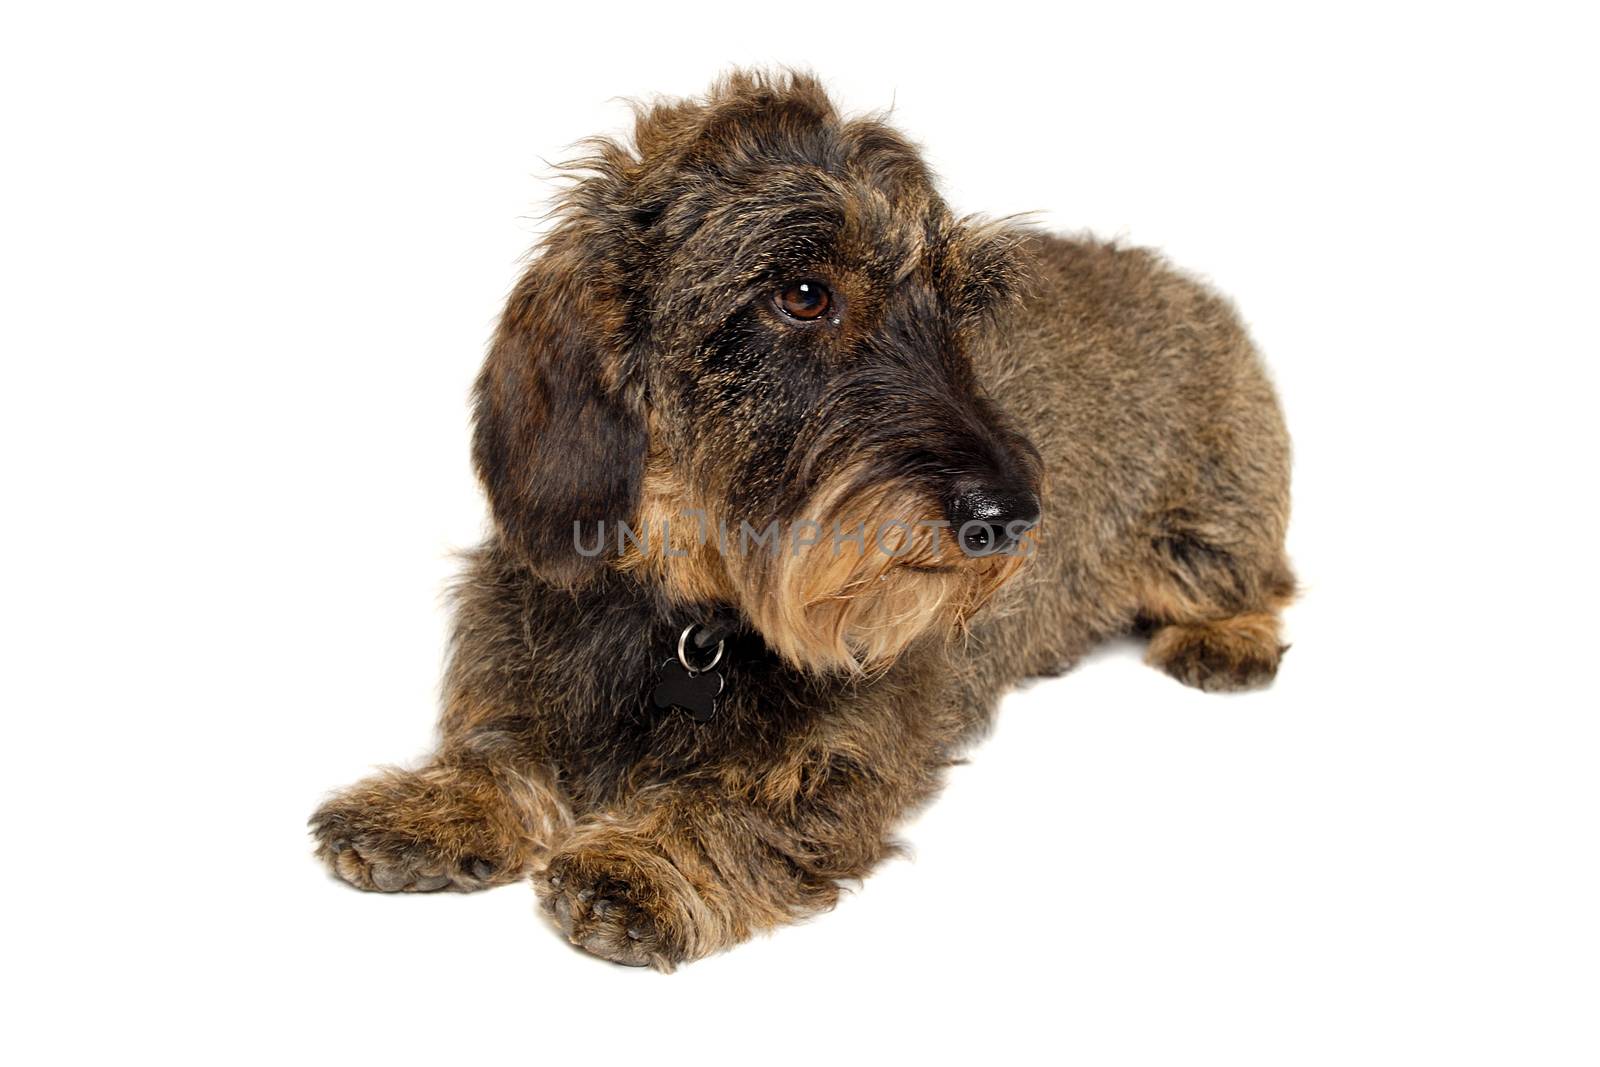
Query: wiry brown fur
[{"x": 642, "y": 374}]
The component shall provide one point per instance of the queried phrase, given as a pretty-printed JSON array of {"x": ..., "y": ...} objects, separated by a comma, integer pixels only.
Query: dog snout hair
[{"x": 914, "y": 416}]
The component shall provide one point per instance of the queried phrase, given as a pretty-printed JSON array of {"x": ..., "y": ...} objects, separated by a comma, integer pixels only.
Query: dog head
[{"x": 740, "y": 366}]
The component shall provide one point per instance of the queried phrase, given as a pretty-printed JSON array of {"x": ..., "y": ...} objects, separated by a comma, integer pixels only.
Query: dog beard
[
  {"x": 884, "y": 572},
  {"x": 822, "y": 602}
]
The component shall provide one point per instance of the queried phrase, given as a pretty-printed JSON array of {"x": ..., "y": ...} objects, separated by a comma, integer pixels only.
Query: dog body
[{"x": 761, "y": 315}]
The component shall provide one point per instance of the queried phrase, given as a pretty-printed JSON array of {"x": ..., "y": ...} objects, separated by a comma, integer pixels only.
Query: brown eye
[{"x": 804, "y": 300}]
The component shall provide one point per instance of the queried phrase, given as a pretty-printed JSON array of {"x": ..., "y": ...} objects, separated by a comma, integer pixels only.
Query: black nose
[{"x": 987, "y": 519}]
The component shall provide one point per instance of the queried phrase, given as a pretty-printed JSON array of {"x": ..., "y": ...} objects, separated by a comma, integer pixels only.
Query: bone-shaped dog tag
[{"x": 695, "y": 692}]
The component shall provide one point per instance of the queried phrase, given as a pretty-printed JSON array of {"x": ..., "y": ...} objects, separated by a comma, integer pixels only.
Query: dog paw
[
  {"x": 410, "y": 832},
  {"x": 634, "y": 909},
  {"x": 1226, "y": 655}
]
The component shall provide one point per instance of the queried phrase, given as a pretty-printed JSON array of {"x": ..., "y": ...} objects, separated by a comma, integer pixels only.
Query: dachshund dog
[{"x": 793, "y": 474}]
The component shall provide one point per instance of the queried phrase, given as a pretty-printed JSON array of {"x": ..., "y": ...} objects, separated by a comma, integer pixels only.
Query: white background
[{"x": 250, "y": 263}]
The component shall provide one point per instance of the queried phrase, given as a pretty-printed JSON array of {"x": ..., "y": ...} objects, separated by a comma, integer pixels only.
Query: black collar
[{"x": 710, "y": 631}]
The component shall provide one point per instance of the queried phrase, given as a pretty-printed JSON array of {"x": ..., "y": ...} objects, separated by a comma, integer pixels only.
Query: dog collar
[{"x": 709, "y": 634}]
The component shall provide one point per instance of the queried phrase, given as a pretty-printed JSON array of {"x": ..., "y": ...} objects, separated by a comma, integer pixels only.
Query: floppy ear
[{"x": 559, "y": 435}]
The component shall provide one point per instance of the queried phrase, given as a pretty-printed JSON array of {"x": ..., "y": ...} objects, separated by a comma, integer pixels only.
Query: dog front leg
[
  {"x": 693, "y": 866},
  {"x": 467, "y": 820}
]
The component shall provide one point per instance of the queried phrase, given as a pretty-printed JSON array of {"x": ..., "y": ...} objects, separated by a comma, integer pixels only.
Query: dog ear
[
  {"x": 559, "y": 438},
  {"x": 987, "y": 271}
]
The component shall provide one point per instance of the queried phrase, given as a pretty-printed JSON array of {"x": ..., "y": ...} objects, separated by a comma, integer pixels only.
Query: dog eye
[{"x": 804, "y": 300}]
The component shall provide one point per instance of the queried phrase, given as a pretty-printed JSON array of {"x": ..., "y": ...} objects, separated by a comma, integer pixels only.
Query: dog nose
[{"x": 989, "y": 520}]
